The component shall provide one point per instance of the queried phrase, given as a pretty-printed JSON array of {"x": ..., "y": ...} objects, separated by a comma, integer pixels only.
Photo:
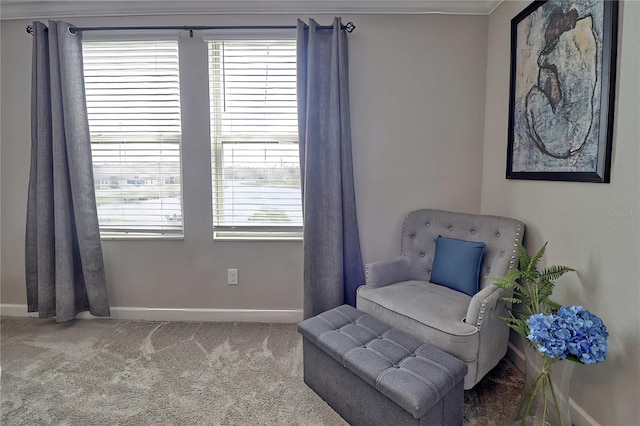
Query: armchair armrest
[
  {"x": 383, "y": 273},
  {"x": 481, "y": 303}
]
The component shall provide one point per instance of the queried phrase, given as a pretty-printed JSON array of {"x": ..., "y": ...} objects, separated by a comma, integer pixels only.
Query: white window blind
[
  {"x": 254, "y": 128},
  {"x": 133, "y": 103}
]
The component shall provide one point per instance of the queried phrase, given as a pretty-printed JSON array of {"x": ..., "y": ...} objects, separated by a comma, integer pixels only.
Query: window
[
  {"x": 133, "y": 103},
  {"x": 254, "y": 132}
]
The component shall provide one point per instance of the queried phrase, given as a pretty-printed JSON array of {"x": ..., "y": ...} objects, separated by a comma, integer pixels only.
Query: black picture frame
[{"x": 551, "y": 135}]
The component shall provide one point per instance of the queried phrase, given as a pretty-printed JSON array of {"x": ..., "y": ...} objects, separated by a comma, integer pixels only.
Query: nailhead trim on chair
[
  {"x": 366, "y": 273},
  {"x": 495, "y": 294},
  {"x": 483, "y": 307},
  {"x": 515, "y": 245},
  {"x": 404, "y": 227}
]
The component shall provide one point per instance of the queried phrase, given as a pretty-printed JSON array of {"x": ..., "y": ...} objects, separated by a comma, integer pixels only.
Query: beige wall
[
  {"x": 417, "y": 102},
  {"x": 417, "y": 92},
  {"x": 594, "y": 228}
]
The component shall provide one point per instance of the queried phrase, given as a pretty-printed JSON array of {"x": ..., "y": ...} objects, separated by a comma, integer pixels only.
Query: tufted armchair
[{"x": 399, "y": 292}]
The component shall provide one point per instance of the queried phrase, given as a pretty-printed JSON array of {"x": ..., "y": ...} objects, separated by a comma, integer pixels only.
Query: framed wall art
[{"x": 562, "y": 87}]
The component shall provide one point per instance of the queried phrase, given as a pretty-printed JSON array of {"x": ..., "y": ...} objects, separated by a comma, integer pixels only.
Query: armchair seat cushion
[{"x": 430, "y": 312}]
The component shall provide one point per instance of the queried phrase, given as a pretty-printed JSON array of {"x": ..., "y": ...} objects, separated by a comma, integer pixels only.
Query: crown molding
[{"x": 43, "y": 9}]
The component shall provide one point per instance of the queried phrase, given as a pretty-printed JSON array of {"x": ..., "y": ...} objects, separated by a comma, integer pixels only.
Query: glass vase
[{"x": 545, "y": 395}]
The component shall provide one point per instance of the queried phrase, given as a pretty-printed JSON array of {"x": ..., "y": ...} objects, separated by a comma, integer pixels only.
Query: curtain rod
[{"x": 349, "y": 27}]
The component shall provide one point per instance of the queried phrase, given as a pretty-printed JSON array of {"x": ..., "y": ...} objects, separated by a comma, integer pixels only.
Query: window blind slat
[{"x": 133, "y": 103}]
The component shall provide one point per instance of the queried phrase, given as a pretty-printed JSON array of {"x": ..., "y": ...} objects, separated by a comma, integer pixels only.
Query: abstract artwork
[{"x": 563, "y": 66}]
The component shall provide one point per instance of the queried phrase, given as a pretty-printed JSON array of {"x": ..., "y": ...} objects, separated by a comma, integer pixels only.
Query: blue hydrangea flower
[
  {"x": 550, "y": 335},
  {"x": 589, "y": 335},
  {"x": 573, "y": 331}
]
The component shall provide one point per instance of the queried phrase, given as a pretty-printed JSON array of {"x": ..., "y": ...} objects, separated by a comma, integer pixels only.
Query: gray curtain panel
[
  {"x": 63, "y": 258},
  {"x": 332, "y": 258}
]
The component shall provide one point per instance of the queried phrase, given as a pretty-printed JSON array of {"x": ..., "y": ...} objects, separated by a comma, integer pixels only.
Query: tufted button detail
[
  {"x": 473, "y": 231},
  {"x": 422, "y": 255},
  {"x": 451, "y": 228},
  {"x": 428, "y": 271},
  {"x": 427, "y": 224},
  {"x": 488, "y": 269},
  {"x": 501, "y": 254},
  {"x": 396, "y": 366},
  {"x": 414, "y": 355},
  {"x": 413, "y": 236},
  {"x": 497, "y": 235}
]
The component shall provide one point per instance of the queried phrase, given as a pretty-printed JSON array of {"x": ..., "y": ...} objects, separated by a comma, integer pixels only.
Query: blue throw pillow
[{"x": 457, "y": 263}]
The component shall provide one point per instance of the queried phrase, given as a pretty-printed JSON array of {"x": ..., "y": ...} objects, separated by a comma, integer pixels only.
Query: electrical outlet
[{"x": 232, "y": 276}]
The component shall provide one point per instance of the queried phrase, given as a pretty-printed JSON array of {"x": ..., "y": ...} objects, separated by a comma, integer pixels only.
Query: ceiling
[{"x": 40, "y": 9}]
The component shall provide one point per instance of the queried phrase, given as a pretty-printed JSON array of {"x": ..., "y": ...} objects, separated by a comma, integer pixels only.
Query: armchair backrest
[{"x": 500, "y": 234}]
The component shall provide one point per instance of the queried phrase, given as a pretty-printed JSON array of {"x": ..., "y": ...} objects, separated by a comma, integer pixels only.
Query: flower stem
[
  {"x": 544, "y": 398},
  {"x": 555, "y": 401},
  {"x": 535, "y": 392},
  {"x": 529, "y": 397}
]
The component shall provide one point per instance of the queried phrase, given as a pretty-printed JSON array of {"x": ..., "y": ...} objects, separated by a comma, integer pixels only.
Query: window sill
[
  {"x": 140, "y": 237},
  {"x": 256, "y": 236}
]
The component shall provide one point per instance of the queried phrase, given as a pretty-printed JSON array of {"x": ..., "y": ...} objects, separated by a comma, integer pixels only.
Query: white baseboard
[
  {"x": 170, "y": 314},
  {"x": 515, "y": 356},
  {"x": 579, "y": 417},
  {"x": 11, "y": 310}
]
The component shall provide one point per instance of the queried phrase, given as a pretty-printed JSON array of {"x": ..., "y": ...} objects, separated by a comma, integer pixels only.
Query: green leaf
[
  {"x": 554, "y": 272},
  {"x": 518, "y": 287},
  {"x": 523, "y": 255},
  {"x": 507, "y": 281},
  {"x": 533, "y": 264},
  {"x": 554, "y": 307},
  {"x": 510, "y": 299},
  {"x": 530, "y": 287}
]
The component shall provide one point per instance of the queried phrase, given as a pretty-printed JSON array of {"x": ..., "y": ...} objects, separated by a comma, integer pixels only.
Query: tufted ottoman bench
[{"x": 373, "y": 374}]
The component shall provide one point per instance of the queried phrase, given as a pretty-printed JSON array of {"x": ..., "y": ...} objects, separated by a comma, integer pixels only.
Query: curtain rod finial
[
  {"x": 30, "y": 29},
  {"x": 350, "y": 27}
]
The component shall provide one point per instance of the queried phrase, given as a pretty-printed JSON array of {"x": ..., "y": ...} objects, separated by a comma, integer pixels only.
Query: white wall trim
[
  {"x": 579, "y": 417},
  {"x": 171, "y": 314},
  {"x": 515, "y": 356},
  {"x": 12, "y": 310},
  {"x": 40, "y": 9}
]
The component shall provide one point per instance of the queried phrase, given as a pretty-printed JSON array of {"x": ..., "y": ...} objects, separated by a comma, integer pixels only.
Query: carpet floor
[{"x": 109, "y": 372}]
